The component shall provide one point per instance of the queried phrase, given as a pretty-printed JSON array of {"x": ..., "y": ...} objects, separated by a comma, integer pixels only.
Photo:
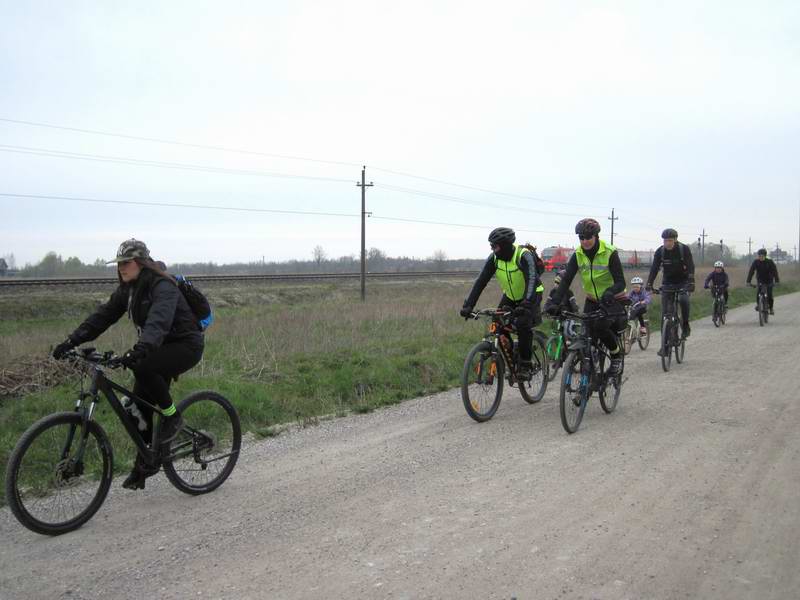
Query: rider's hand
[
  {"x": 133, "y": 356},
  {"x": 690, "y": 287},
  {"x": 751, "y": 284},
  {"x": 551, "y": 308},
  {"x": 648, "y": 287},
  {"x": 466, "y": 311},
  {"x": 64, "y": 347},
  {"x": 607, "y": 298}
]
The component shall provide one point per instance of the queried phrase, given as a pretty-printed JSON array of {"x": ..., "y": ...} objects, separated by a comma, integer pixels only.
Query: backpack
[
  {"x": 536, "y": 260},
  {"x": 197, "y": 302}
]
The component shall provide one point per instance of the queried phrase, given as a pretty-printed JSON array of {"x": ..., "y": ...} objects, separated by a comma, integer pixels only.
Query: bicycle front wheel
[
  {"x": 680, "y": 343},
  {"x": 644, "y": 338},
  {"x": 205, "y": 452},
  {"x": 533, "y": 390},
  {"x": 54, "y": 482},
  {"x": 627, "y": 338},
  {"x": 761, "y": 319},
  {"x": 482, "y": 382},
  {"x": 574, "y": 393},
  {"x": 666, "y": 345}
]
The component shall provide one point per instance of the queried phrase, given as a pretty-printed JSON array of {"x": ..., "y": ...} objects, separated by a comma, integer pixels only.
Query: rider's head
[
  {"x": 762, "y": 253},
  {"x": 559, "y": 275},
  {"x": 587, "y": 230},
  {"x": 130, "y": 255},
  {"x": 718, "y": 266},
  {"x": 502, "y": 242},
  {"x": 636, "y": 284},
  {"x": 670, "y": 236}
]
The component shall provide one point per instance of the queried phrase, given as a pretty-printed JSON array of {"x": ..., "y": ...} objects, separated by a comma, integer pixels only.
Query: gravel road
[{"x": 689, "y": 490}]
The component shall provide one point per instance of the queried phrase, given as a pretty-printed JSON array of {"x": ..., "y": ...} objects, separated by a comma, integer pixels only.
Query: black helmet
[
  {"x": 669, "y": 234},
  {"x": 762, "y": 251},
  {"x": 502, "y": 235},
  {"x": 587, "y": 227}
]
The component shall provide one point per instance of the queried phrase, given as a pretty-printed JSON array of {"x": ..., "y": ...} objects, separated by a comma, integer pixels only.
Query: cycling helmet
[
  {"x": 719, "y": 264},
  {"x": 637, "y": 281},
  {"x": 502, "y": 235},
  {"x": 587, "y": 227},
  {"x": 762, "y": 251},
  {"x": 559, "y": 275},
  {"x": 669, "y": 234}
]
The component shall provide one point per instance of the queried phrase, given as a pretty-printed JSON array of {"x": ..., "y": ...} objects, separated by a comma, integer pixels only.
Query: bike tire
[
  {"x": 644, "y": 340},
  {"x": 666, "y": 346},
  {"x": 532, "y": 391},
  {"x": 206, "y": 450},
  {"x": 680, "y": 343},
  {"x": 715, "y": 317},
  {"x": 31, "y": 491},
  {"x": 723, "y": 315},
  {"x": 760, "y": 312},
  {"x": 482, "y": 401},
  {"x": 553, "y": 360},
  {"x": 574, "y": 395},
  {"x": 609, "y": 391},
  {"x": 627, "y": 339}
]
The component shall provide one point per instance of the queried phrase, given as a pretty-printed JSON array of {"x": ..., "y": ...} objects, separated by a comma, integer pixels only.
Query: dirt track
[{"x": 689, "y": 490}]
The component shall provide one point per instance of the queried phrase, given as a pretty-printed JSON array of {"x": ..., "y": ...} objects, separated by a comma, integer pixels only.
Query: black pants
[
  {"x": 524, "y": 328},
  {"x": 155, "y": 373},
  {"x": 724, "y": 293},
  {"x": 770, "y": 299},
  {"x": 639, "y": 312},
  {"x": 606, "y": 330},
  {"x": 683, "y": 300}
]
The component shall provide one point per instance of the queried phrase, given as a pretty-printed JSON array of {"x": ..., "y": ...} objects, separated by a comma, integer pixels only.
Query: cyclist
[
  {"x": 568, "y": 302},
  {"x": 766, "y": 274},
  {"x": 604, "y": 284},
  {"x": 718, "y": 280},
  {"x": 640, "y": 298},
  {"x": 515, "y": 269},
  {"x": 169, "y": 342},
  {"x": 676, "y": 258}
]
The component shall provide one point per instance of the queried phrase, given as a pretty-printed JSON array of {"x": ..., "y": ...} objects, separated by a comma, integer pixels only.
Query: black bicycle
[
  {"x": 672, "y": 340},
  {"x": 584, "y": 372},
  {"x": 720, "y": 310},
  {"x": 496, "y": 357},
  {"x": 762, "y": 304},
  {"x": 60, "y": 471}
]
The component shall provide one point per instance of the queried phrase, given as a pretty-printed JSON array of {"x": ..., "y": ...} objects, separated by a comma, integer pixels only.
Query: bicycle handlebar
[
  {"x": 91, "y": 355},
  {"x": 489, "y": 312}
]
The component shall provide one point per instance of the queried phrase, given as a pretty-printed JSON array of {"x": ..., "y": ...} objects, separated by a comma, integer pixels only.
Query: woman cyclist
[{"x": 170, "y": 341}]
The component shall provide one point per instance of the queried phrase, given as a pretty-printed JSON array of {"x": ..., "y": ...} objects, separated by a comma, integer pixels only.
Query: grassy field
[{"x": 280, "y": 353}]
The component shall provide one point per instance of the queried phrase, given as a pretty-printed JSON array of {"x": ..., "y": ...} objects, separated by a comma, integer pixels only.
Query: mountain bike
[
  {"x": 495, "y": 358},
  {"x": 555, "y": 346},
  {"x": 762, "y": 304},
  {"x": 584, "y": 373},
  {"x": 672, "y": 340},
  {"x": 633, "y": 332},
  {"x": 719, "y": 311},
  {"x": 60, "y": 471}
]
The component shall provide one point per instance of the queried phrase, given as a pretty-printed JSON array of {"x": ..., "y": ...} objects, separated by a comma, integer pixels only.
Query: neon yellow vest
[
  {"x": 509, "y": 276},
  {"x": 595, "y": 276}
]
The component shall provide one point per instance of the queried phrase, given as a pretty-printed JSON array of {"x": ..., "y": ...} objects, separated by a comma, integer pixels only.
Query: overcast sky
[{"x": 683, "y": 114}]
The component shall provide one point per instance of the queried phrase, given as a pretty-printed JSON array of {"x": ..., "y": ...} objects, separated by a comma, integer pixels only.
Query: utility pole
[
  {"x": 749, "y": 248},
  {"x": 612, "y": 218},
  {"x": 703, "y": 235},
  {"x": 364, "y": 185}
]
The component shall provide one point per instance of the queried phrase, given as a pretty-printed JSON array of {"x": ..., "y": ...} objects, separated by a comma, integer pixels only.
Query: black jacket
[
  {"x": 526, "y": 265},
  {"x": 678, "y": 265},
  {"x": 154, "y": 304},
  {"x": 766, "y": 271}
]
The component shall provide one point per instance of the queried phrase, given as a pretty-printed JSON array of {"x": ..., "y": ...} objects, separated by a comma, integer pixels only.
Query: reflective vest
[
  {"x": 595, "y": 276},
  {"x": 510, "y": 277}
]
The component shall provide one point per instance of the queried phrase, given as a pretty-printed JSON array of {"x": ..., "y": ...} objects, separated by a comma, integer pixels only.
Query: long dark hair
[{"x": 148, "y": 264}]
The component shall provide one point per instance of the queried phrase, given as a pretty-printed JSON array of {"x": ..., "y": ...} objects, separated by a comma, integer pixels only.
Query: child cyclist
[
  {"x": 640, "y": 298},
  {"x": 718, "y": 279}
]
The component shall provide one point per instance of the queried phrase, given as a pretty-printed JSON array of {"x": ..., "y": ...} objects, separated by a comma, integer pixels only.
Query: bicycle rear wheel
[
  {"x": 666, "y": 345},
  {"x": 533, "y": 390},
  {"x": 48, "y": 488},
  {"x": 205, "y": 452},
  {"x": 482, "y": 382},
  {"x": 610, "y": 389},
  {"x": 574, "y": 393}
]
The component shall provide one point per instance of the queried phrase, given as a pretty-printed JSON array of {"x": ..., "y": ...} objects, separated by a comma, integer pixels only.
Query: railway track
[{"x": 108, "y": 281}]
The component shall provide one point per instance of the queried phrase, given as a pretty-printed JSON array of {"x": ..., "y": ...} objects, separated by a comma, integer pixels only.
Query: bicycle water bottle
[{"x": 133, "y": 410}]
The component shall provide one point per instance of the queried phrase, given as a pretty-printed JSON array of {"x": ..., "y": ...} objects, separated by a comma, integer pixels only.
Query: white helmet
[
  {"x": 718, "y": 264},
  {"x": 637, "y": 280}
]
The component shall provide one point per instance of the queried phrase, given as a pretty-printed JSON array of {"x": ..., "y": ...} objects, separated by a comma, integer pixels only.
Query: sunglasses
[{"x": 585, "y": 237}]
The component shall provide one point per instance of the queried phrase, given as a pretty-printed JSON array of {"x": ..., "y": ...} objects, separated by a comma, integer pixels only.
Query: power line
[
  {"x": 178, "y": 143},
  {"x": 177, "y": 205},
  {"x": 160, "y": 164},
  {"x": 425, "y": 222}
]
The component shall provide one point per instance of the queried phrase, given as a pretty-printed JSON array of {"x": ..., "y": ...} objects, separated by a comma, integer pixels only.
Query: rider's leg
[
  {"x": 770, "y": 299},
  {"x": 604, "y": 331},
  {"x": 683, "y": 300}
]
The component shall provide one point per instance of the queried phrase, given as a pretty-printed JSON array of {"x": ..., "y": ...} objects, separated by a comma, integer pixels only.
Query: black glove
[
  {"x": 133, "y": 356},
  {"x": 751, "y": 284},
  {"x": 608, "y": 298},
  {"x": 649, "y": 286},
  {"x": 523, "y": 314},
  {"x": 551, "y": 308},
  {"x": 690, "y": 287},
  {"x": 64, "y": 347},
  {"x": 466, "y": 311}
]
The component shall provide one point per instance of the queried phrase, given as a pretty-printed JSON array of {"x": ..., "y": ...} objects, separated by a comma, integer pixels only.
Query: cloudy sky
[{"x": 468, "y": 116}]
